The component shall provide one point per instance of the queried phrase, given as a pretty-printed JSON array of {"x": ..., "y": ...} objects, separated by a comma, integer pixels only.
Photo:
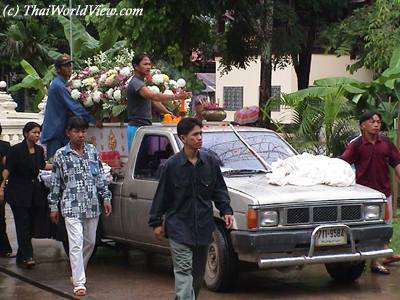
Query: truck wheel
[
  {"x": 221, "y": 264},
  {"x": 345, "y": 272}
]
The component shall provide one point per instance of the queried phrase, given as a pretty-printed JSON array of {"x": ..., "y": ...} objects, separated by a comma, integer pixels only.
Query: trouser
[
  {"x": 390, "y": 206},
  {"x": 81, "y": 239},
  {"x": 23, "y": 217},
  {"x": 189, "y": 266},
  {"x": 5, "y": 246},
  {"x": 131, "y": 131}
]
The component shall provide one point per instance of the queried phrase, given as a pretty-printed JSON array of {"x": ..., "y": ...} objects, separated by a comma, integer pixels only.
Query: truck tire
[
  {"x": 221, "y": 266},
  {"x": 345, "y": 272}
]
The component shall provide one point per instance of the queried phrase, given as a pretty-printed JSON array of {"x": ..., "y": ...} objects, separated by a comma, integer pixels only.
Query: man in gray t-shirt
[
  {"x": 139, "y": 108},
  {"x": 141, "y": 98}
]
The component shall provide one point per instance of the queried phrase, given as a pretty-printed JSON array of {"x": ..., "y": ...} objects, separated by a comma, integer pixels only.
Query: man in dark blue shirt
[
  {"x": 189, "y": 183},
  {"x": 60, "y": 106}
]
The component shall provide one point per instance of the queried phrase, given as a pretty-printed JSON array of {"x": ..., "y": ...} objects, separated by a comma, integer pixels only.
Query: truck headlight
[
  {"x": 268, "y": 218},
  {"x": 372, "y": 212}
]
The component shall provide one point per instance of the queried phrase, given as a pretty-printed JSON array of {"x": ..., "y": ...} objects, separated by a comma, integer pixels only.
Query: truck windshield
[{"x": 235, "y": 155}]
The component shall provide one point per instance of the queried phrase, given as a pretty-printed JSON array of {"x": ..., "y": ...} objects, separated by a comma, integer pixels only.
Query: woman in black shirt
[
  {"x": 5, "y": 247},
  {"x": 23, "y": 190}
]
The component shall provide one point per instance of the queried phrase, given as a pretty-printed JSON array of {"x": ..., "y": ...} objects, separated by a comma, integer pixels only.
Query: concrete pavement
[{"x": 118, "y": 274}]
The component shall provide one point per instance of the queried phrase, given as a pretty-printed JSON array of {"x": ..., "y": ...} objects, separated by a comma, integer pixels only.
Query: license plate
[{"x": 331, "y": 237}]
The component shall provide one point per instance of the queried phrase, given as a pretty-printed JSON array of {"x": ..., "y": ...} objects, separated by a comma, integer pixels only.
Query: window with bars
[
  {"x": 276, "y": 90},
  {"x": 233, "y": 97}
]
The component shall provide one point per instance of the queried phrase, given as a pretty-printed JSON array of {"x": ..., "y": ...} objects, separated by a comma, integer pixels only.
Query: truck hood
[{"x": 261, "y": 192}]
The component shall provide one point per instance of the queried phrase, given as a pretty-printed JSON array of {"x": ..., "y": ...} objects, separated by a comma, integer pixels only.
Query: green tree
[
  {"x": 247, "y": 36},
  {"x": 169, "y": 32},
  {"x": 297, "y": 28},
  {"x": 324, "y": 115},
  {"x": 34, "y": 81},
  {"x": 280, "y": 32},
  {"x": 370, "y": 35},
  {"x": 26, "y": 39}
]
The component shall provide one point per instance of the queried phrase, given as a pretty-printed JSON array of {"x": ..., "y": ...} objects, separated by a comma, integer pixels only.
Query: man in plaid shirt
[{"x": 77, "y": 181}]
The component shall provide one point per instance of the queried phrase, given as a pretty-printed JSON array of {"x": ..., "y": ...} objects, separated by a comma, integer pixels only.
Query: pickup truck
[{"x": 275, "y": 226}]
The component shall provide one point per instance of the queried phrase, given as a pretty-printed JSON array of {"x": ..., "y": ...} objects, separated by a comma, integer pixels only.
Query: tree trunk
[
  {"x": 304, "y": 60},
  {"x": 186, "y": 51},
  {"x": 265, "y": 89},
  {"x": 267, "y": 23},
  {"x": 303, "y": 70}
]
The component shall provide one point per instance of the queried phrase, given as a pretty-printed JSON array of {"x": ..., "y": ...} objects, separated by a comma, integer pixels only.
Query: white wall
[
  {"x": 331, "y": 66},
  {"x": 249, "y": 78},
  {"x": 321, "y": 66}
]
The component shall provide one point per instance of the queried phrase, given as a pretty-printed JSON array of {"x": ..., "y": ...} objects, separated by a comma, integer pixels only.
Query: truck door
[{"x": 153, "y": 151}]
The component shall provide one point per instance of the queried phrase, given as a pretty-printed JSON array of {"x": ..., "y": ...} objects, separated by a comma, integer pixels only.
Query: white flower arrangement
[
  {"x": 181, "y": 82},
  {"x": 168, "y": 92},
  {"x": 88, "y": 102},
  {"x": 103, "y": 84},
  {"x": 93, "y": 69},
  {"x": 117, "y": 94},
  {"x": 75, "y": 94},
  {"x": 110, "y": 93},
  {"x": 187, "y": 103},
  {"x": 102, "y": 78},
  {"x": 157, "y": 79},
  {"x": 76, "y": 84},
  {"x": 173, "y": 84},
  {"x": 154, "y": 88},
  {"x": 107, "y": 106},
  {"x": 96, "y": 96},
  {"x": 125, "y": 71}
]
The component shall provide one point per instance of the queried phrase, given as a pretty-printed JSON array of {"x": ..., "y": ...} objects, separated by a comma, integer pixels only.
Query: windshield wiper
[
  {"x": 264, "y": 163},
  {"x": 241, "y": 172}
]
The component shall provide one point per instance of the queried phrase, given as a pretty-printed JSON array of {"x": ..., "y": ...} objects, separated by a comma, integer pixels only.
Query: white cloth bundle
[{"x": 307, "y": 169}]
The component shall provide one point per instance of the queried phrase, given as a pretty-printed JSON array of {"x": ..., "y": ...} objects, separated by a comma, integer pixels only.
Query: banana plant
[
  {"x": 34, "y": 81},
  {"x": 83, "y": 44}
]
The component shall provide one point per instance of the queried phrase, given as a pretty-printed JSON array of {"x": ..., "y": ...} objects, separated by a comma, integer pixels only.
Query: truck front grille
[
  {"x": 298, "y": 215},
  {"x": 351, "y": 212},
  {"x": 325, "y": 214},
  {"x": 321, "y": 214}
]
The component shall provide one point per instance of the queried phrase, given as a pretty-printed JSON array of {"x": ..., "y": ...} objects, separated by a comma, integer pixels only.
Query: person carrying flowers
[
  {"x": 59, "y": 107},
  {"x": 141, "y": 98}
]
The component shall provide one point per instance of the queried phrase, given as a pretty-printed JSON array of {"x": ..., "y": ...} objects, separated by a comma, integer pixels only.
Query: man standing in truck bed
[
  {"x": 141, "y": 98},
  {"x": 59, "y": 107}
]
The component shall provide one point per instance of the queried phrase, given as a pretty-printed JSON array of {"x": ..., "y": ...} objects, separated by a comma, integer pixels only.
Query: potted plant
[{"x": 212, "y": 112}]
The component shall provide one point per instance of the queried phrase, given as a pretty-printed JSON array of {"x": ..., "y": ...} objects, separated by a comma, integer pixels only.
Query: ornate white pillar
[
  {"x": 42, "y": 107},
  {"x": 7, "y": 104}
]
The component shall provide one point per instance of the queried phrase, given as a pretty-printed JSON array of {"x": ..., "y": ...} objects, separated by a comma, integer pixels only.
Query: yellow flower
[
  {"x": 165, "y": 77},
  {"x": 88, "y": 81}
]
